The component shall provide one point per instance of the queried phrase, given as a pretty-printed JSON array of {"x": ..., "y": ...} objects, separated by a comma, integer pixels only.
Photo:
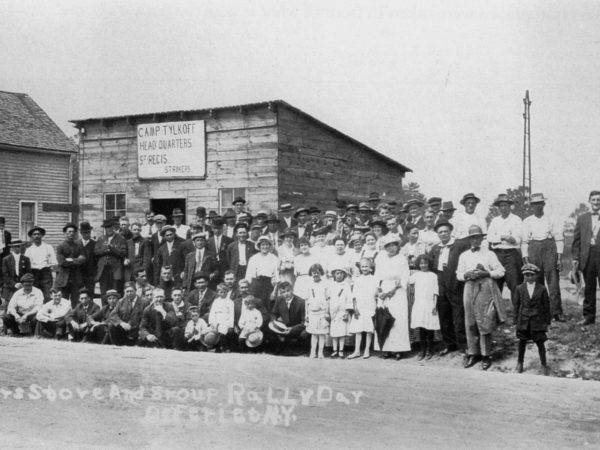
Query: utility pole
[{"x": 527, "y": 146}]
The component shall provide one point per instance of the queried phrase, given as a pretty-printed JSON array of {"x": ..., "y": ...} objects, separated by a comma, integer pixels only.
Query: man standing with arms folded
[
  {"x": 586, "y": 255},
  {"x": 70, "y": 262},
  {"x": 543, "y": 244},
  {"x": 505, "y": 235},
  {"x": 43, "y": 261}
]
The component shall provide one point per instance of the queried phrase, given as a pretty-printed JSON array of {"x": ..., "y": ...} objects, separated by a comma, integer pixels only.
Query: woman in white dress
[
  {"x": 392, "y": 273},
  {"x": 302, "y": 263},
  {"x": 340, "y": 258}
]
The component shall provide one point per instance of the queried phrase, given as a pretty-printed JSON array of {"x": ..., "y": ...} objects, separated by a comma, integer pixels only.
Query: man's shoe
[
  {"x": 421, "y": 356},
  {"x": 586, "y": 321},
  {"x": 470, "y": 361},
  {"x": 560, "y": 317},
  {"x": 444, "y": 351},
  {"x": 545, "y": 370},
  {"x": 486, "y": 362},
  {"x": 519, "y": 368}
]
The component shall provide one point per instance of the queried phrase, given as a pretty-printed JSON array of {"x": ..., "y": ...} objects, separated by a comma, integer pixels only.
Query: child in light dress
[
  {"x": 340, "y": 302},
  {"x": 317, "y": 310},
  {"x": 424, "y": 315},
  {"x": 364, "y": 293},
  {"x": 195, "y": 329},
  {"x": 220, "y": 317},
  {"x": 251, "y": 318}
]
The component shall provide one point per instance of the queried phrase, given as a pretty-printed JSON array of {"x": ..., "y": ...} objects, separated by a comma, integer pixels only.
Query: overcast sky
[{"x": 438, "y": 86}]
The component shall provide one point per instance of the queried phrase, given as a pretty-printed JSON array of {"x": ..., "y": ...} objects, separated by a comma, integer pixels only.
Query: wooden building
[
  {"x": 36, "y": 161},
  {"x": 269, "y": 153}
]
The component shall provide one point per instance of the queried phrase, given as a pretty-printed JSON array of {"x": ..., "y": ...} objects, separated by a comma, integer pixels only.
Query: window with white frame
[
  {"x": 226, "y": 196},
  {"x": 114, "y": 205},
  {"x": 27, "y": 217}
]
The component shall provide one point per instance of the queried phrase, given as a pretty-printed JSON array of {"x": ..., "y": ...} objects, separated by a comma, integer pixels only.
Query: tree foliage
[
  {"x": 412, "y": 190},
  {"x": 520, "y": 196}
]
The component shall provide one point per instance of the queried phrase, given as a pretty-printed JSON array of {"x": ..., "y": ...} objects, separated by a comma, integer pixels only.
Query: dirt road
[{"x": 63, "y": 395}]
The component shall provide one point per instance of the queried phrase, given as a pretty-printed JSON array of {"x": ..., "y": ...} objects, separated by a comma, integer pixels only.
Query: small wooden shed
[{"x": 269, "y": 153}]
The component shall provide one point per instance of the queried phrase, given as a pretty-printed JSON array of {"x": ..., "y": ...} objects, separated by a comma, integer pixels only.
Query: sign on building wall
[{"x": 171, "y": 150}]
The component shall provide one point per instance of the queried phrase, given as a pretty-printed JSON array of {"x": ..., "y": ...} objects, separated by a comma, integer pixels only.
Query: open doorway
[{"x": 165, "y": 206}]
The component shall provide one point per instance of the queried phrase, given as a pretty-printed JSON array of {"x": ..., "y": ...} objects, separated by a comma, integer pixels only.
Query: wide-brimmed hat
[
  {"x": 529, "y": 268},
  {"x": 475, "y": 231},
  {"x": 537, "y": 198},
  {"x": 85, "y": 226},
  {"x": 468, "y": 196},
  {"x": 447, "y": 206},
  {"x": 301, "y": 210},
  {"x": 177, "y": 212},
  {"x": 286, "y": 207},
  {"x": 262, "y": 239},
  {"x": 351, "y": 206},
  {"x": 374, "y": 197},
  {"x": 378, "y": 221},
  {"x": 443, "y": 223},
  {"x": 167, "y": 228},
  {"x": 238, "y": 200},
  {"x": 261, "y": 215},
  {"x": 210, "y": 339},
  {"x": 273, "y": 219},
  {"x": 412, "y": 202},
  {"x": 41, "y": 230},
  {"x": 338, "y": 269},
  {"x": 229, "y": 214},
  {"x": 503, "y": 198},
  {"x": 390, "y": 238},
  {"x": 16, "y": 243},
  {"x": 70, "y": 225},
  {"x": 254, "y": 339},
  {"x": 364, "y": 207},
  {"x": 217, "y": 222},
  {"x": 278, "y": 327},
  {"x": 245, "y": 217}
]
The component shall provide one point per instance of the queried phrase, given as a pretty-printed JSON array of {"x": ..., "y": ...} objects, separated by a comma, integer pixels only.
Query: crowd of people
[{"x": 303, "y": 279}]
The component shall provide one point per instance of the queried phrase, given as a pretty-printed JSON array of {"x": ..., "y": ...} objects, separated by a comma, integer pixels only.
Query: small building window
[
  {"x": 27, "y": 218},
  {"x": 226, "y": 196},
  {"x": 114, "y": 205}
]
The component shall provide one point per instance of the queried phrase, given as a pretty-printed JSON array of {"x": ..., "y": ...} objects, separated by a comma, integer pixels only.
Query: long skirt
[
  {"x": 262, "y": 287},
  {"x": 398, "y": 339}
]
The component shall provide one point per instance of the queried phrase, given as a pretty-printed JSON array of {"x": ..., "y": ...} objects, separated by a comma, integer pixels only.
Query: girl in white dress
[
  {"x": 317, "y": 311},
  {"x": 424, "y": 315},
  {"x": 364, "y": 293},
  {"x": 340, "y": 301}
]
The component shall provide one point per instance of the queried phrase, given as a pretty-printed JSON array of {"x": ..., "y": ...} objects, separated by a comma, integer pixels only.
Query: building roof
[
  {"x": 24, "y": 124},
  {"x": 272, "y": 103}
]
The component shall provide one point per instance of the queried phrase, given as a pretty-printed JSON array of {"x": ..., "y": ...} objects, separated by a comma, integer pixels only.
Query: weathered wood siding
[
  {"x": 35, "y": 176},
  {"x": 316, "y": 166},
  {"x": 241, "y": 152}
]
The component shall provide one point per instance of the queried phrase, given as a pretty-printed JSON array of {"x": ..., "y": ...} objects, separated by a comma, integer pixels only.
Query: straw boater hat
[
  {"x": 200, "y": 236},
  {"x": 331, "y": 214},
  {"x": 278, "y": 327},
  {"x": 41, "y": 230},
  {"x": 537, "y": 198},
  {"x": 353, "y": 239},
  {"x": 286, "y": 207},
  {"x": 530, "y": 268},
  {"x": 351, "y": 206},
  {"x": 262, "y": 239},
  {"x": 314, "y": 210},
  {"x": 16, "y": 243},
  {"x": 468, "y": 196},
  {"x": 168, "y": 228},
  {"x": 177, "y": 212},
  {"x": 364, "y": 206},
  {"x": 300, "y": 210},
  {"x": 475, "y": 231},
  {"x": 503, "y": 198},
  {"x": 254, "y": 339},
  {"x": 210, "y": 339}
]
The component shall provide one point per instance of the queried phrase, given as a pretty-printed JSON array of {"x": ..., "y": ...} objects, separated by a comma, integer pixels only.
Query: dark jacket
[
  {"x": 90, "y": 265},
  {"x": 221, "y": 252},
  {"x": 110, "y": 257},
  {"x": 7, "y": 240},
  {"x": 209, "y": 265},
  {"x": 533, "y": 311},
  {"x": 233, "y": 254},
  {"x": 447, "y": 280},
  {"x": 582, "y": 237},
  {"x": 69, "y": 272},
  {"x": 103, "y": 314},
  {"x": 162, "y": 258},
  {"x": 123, "y": 312},
  {"x": 80, "y": 313},
  {"x": 9, "y": 276},
  {"x": 203, "y": 303},
  {"x": 149, "y": 323},
  {"x": 138, "y": 262},
  {"x": 293, "y": 316}
]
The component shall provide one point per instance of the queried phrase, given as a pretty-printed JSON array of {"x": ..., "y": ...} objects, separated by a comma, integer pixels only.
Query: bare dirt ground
[{"x": 65, "y": 395}]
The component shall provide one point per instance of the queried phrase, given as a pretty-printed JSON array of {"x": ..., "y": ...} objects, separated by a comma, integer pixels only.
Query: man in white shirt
[
  {"x": 543, "y": 243},
  {"x": 43, "y": 261},
  {"x": 477, "y": 267},
  {"x": 463, "y": 220},
  {"x": 181, "y": 229},
  {"x": 504, "y": 236},
  {"x": 51, "y": 316},
  {"x": 23, "y": 307},
  {"x": 149, "y": 228}
]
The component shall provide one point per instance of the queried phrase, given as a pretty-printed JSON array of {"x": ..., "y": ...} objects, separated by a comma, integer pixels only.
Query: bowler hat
[
  {"x": 229, "y": 214},
  {"x": 238, "y": 200},
  {"x": 107, "y": 223},
  {"x": 212, "y": 214},
  {"x": 537, "y": 198},
  {"x": 201, "y": 211},
  {"x": 475, "y": 231},
  {"x": 167, "y": 228},
  {"x": 85, "y": 226},
  {"x": 27, "y": 278},
  {"x": 217, "y": 222},
  {"x": 41, "y": 230},
  {"x": 177, "y": 212},
  {"x": 443, "y": 223},
  {"x": 503, "y": 198},
  {"x": 286, "y": 207},
  {"x": 254, "y": 339},
  {"x": 469, "y": 196},
  {"x": 314, "y": 210},
  {"x": 301, "y": 210},
  {"x": 69, "y": 225}
]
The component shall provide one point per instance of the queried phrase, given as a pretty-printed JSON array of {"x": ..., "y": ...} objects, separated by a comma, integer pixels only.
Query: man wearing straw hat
[
  {"x": 463, "y": 220},
  {"x": 543, "y": 244},
  {"x": 43, "y": 260},
  {"x": 586, "y": 255}
]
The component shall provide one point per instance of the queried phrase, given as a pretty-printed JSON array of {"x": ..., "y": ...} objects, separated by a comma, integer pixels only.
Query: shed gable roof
[{"x": 24, "y": 124}]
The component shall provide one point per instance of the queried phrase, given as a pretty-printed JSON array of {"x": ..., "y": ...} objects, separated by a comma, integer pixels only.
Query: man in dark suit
[
  {"x": 201, "y": 296},
  {"x": 12, "y": 270},
  {"x": 289, "y": 309},
  {"x": 110, "y": 249},
  {"x": 170, "y": 254},
  {"x": 286, "y": 219},
  {"x": 157, "y": 322},
  {"x": 5, "y": 239},
  {"x": 124, "y": 321},
  {"x": 586, "y": 255},
  {"x": 79, "y": 319},
  {"x": 200, "y": 260},
  {"x": 217, "y": 244},
  {"x": 89, "y": 268},
  {"x": 240, "y": 251},
  {"x": 303, "y": 227},
  {"x": 71, "y": 259},
  {"x": 139, "y": 253},
  {"x": 450, "y": 299}
]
